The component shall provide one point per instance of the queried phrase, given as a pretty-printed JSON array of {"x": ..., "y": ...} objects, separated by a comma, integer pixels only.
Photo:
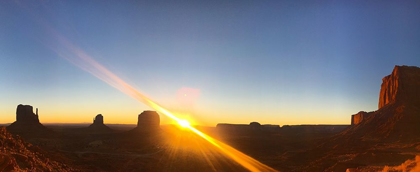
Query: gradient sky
[{"x": 282, "y": 62}]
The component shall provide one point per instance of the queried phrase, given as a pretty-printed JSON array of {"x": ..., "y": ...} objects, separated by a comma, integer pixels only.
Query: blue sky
[{"x": 283, "y": 62}]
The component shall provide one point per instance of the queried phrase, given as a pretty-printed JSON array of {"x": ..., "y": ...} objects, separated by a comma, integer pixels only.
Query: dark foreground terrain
[{"x": 171, "y": 148}]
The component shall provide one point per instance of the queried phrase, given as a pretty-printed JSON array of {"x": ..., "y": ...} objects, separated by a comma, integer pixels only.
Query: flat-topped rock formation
[
  {"x": 147, "y": 132},
  {"x": 98, "y": 125},
  {"x": 27, "y": 123},
  {"x": 148, "y": 121},
  {"x": 375, "y": 137},
  {"x": 25, "y": 114},
  {"x": 398, "y": 116}
]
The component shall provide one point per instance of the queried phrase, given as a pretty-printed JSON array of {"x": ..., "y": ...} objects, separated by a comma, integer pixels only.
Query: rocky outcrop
[
  {"x": 398, "y": 116},
  {"x": 403, "y": 86},
  {"x": 25, "y": 114},
  {"x": 148, "y": 120},
  {"x": 27, "y": 123},
  {"x": 98, "y": 120},
  {"x": 379, "y": 137},
  {"x": 358, "y": 118},
  {"x": 17, "y": 155},
  {"x": 256, "y": 126},
  {"x": 98, "y": 125}
]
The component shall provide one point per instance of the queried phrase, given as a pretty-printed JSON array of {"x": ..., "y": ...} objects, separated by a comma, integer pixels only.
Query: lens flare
[
  {"x": 78, "y": 57},
  {"x": 184, "y": 123}
]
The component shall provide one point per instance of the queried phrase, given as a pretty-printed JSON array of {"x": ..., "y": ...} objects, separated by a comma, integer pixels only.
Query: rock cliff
[
  {"x": 376, "y": 137},
  {"x": 398, "y": 116},
  {"x": 358, "y": 118},
  {"x": 403, "y": 85}
]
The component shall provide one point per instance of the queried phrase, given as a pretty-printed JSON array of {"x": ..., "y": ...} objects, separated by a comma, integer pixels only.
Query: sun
[{"x": 184, "y": 123}]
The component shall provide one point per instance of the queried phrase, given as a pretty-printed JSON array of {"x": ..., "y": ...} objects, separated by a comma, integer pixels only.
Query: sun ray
[{"x": 82, "y": 60}]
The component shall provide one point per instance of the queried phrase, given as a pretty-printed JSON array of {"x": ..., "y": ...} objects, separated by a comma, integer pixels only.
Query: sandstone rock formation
[
  {"x": 99, "y": 119},
  {"x": 25, "y": 114},
  {"x": 358, "y": 118},
  {"x": 375, "y": 137},
  {"x": 27, "y": 123},
  {"x": 255, "y": 126},
  {"x": 17, "y": 155},
  {"x": 148, "y": 120},
  {"x": 403, "y": 86},
  {"x": 398, "y": 116},
  {"x": 98, "y": 125}
]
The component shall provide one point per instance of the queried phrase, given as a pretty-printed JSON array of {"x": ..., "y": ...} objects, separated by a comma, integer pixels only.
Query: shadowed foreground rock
[
  {"x": 27, "y": 123},
  {"x": 17, "y": 155}
]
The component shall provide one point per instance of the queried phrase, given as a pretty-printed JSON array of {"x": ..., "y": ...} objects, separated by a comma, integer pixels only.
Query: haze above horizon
[{"x": 210, "y": 62}]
